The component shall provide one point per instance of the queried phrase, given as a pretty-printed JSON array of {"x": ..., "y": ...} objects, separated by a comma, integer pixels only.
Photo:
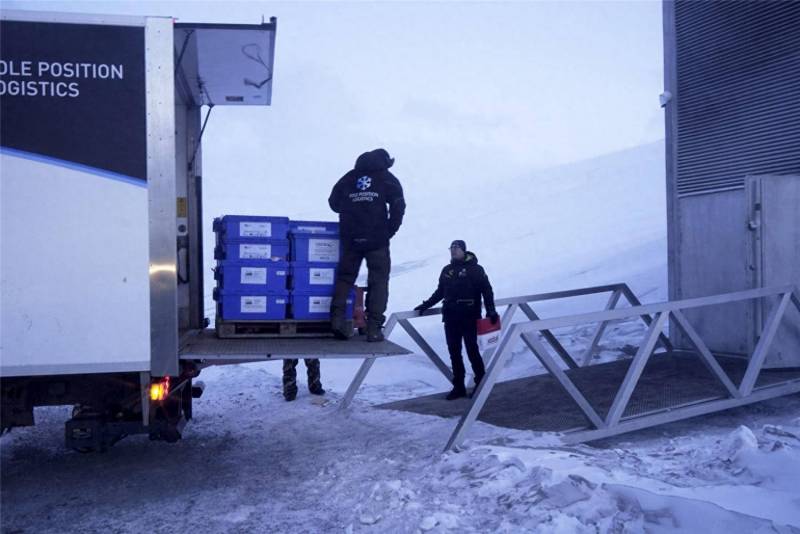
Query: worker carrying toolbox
[
  {"x": 462, "y": 284},
  {"x": 369, "y": 201}
]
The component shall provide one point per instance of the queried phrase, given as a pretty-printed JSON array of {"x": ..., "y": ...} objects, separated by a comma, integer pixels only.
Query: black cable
[
  {"x": 200, "y": 137},
  {"x": 183, "y": 50},
  {"x": 258, "y": 59}
]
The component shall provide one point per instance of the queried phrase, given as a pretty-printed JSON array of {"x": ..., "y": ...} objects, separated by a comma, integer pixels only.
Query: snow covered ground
[{"x": 250, "y": 462}]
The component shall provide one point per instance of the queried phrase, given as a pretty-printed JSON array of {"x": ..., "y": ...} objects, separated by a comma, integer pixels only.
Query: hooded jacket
[
  {"x": 462, "y": 283},
  {"x": 369, "y": 201}
]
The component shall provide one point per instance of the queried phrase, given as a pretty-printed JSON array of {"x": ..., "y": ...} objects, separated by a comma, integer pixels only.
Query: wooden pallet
[{"x": 282, "y": 328}]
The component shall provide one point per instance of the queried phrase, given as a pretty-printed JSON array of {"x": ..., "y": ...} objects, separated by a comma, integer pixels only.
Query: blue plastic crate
[
  {"x": 256, "y": 305},
  {"x": 317, "y": 305},
  {"x": 243, "y": 227},
  {"x": 313, "y": 227},
  {"x": 312, "y": 276},
  {"x": 319, "y": 247},
  {"x": 249, "y": 275},
  {"x": 262, "y": 249}
]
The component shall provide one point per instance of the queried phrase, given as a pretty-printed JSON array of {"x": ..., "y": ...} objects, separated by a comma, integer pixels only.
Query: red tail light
[{"x": 159, "y": 390}]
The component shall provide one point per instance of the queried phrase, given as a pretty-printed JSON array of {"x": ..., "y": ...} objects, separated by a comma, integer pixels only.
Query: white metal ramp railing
[
  {"x": 656, "y": 315},
  {"x": 509, "y": 307}
]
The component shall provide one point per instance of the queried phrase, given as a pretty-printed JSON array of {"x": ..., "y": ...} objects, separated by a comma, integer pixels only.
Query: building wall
[{"x": 733, "y": 69}]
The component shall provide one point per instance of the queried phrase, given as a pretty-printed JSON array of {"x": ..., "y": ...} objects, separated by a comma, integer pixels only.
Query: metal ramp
[
  {"x": 588, "y": 402},
  {"x": 540, "y": 404}
]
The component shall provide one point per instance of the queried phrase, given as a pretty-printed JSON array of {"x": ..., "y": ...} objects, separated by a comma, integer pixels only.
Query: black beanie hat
[{"x": 460, "y": 244}]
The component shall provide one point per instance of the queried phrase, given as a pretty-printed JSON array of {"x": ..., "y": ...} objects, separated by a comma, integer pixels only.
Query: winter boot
[
  {"x": 457, "y": 392},
  {"x": 289, "y": 380},
  {"x": 478, "y": 380},
  {"x": 374, "y": 332},
  {"x": 339, "y": 325},
  {"x": 314, "y": 377}
]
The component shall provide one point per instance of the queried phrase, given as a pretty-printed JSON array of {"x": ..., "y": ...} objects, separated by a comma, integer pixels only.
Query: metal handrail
[
  {"x": 512, "y": 304},
  {"x": 613, "y": 421},
  {"x": 648, "y": 309},
  {"x": 523, "y": 303}
]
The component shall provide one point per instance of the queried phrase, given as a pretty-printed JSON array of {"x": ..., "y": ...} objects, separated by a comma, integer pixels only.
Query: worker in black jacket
[
  {"x": 369, "y": 201},
  {"x": 461, "y": 285}
]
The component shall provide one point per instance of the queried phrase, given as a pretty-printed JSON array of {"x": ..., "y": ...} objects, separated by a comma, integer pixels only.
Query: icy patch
[
  {"x": 739, "y": 445},
  {"x": 239, "y": 515}
]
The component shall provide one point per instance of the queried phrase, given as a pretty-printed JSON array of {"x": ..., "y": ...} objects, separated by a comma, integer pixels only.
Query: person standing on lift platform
[
  {"x": 369, "y": 201},
  {"x": 462, "y": 283}
]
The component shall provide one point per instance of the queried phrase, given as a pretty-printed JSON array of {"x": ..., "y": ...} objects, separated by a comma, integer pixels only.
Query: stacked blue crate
[
  {"x": 315, "y": 251},
  {"x": 313, "y": 227},
  {"x": 252, "y": 268}
]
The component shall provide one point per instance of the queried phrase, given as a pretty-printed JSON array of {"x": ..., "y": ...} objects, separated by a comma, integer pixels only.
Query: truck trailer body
[{"x": 101, "y": 268}]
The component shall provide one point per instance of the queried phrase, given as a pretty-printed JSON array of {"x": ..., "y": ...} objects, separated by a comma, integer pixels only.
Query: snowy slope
[
  {"x": 591, "y": 222},
  {"x": 588, "y": 223},
  {"x": 249, "y": 462}
]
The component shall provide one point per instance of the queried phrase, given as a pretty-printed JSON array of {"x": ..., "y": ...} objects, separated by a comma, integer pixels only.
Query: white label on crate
[
  {"x": 254, "y": 275},
  {"x": 280, "y": 273},
  {"x": 254, "y": 305},
  {"x": 323, "y": 250},
  {"x": 280, "y": 301},
  {"x": 320, "y": 277},
  {"x": 255, "y": 251},
  {"x": 311, "y": 229},
  {"x": 255, "y": 229},
  {"x": 319, "y": 304}
]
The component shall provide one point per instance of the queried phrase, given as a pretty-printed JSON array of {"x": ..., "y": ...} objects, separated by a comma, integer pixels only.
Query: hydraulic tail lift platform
[{"x": 205, "y": 349}]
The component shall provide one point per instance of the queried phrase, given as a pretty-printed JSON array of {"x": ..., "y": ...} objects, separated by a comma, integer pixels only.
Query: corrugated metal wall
[{"x": 738, "y": 92}]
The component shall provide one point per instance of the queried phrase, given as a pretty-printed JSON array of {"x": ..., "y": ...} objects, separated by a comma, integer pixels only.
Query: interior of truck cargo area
[{"x": 205, "y": 345}]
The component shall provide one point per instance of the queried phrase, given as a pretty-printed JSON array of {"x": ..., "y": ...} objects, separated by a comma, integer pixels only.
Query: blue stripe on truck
[{"x": 74, "y": 166}]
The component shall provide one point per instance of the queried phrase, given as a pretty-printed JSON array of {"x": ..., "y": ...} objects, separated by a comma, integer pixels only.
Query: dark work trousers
[
  {"x": 290, "y": 376},
  {"x": 466, "y": 330},
  {"x": 379, "y": 264}
]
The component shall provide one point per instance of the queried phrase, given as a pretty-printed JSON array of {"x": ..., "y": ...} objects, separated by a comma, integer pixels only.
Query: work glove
[
  {"x": 420, "y": 309},
  {"x": 493, "y": 317}
]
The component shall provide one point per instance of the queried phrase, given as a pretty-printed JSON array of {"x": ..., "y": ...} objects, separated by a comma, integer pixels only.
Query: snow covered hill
[
  {"x": 594, "y": 221},
  {"x": 551, "y": 228}
]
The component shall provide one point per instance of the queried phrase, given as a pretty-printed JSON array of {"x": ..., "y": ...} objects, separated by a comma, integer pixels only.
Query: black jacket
[
  {"x": 461, "y": 285},
  {"x": 369, "y": 201}
]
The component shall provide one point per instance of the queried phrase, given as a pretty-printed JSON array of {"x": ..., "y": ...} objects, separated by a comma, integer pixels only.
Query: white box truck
[{"x": 100, "y": 193}]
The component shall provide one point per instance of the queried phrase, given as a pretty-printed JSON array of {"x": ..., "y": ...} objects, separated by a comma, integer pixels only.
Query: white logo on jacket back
[{"x": 364, "y": 183}]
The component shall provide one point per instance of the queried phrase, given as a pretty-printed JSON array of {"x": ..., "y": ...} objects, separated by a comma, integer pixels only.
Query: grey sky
[{"x": 458, "y": 92}]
